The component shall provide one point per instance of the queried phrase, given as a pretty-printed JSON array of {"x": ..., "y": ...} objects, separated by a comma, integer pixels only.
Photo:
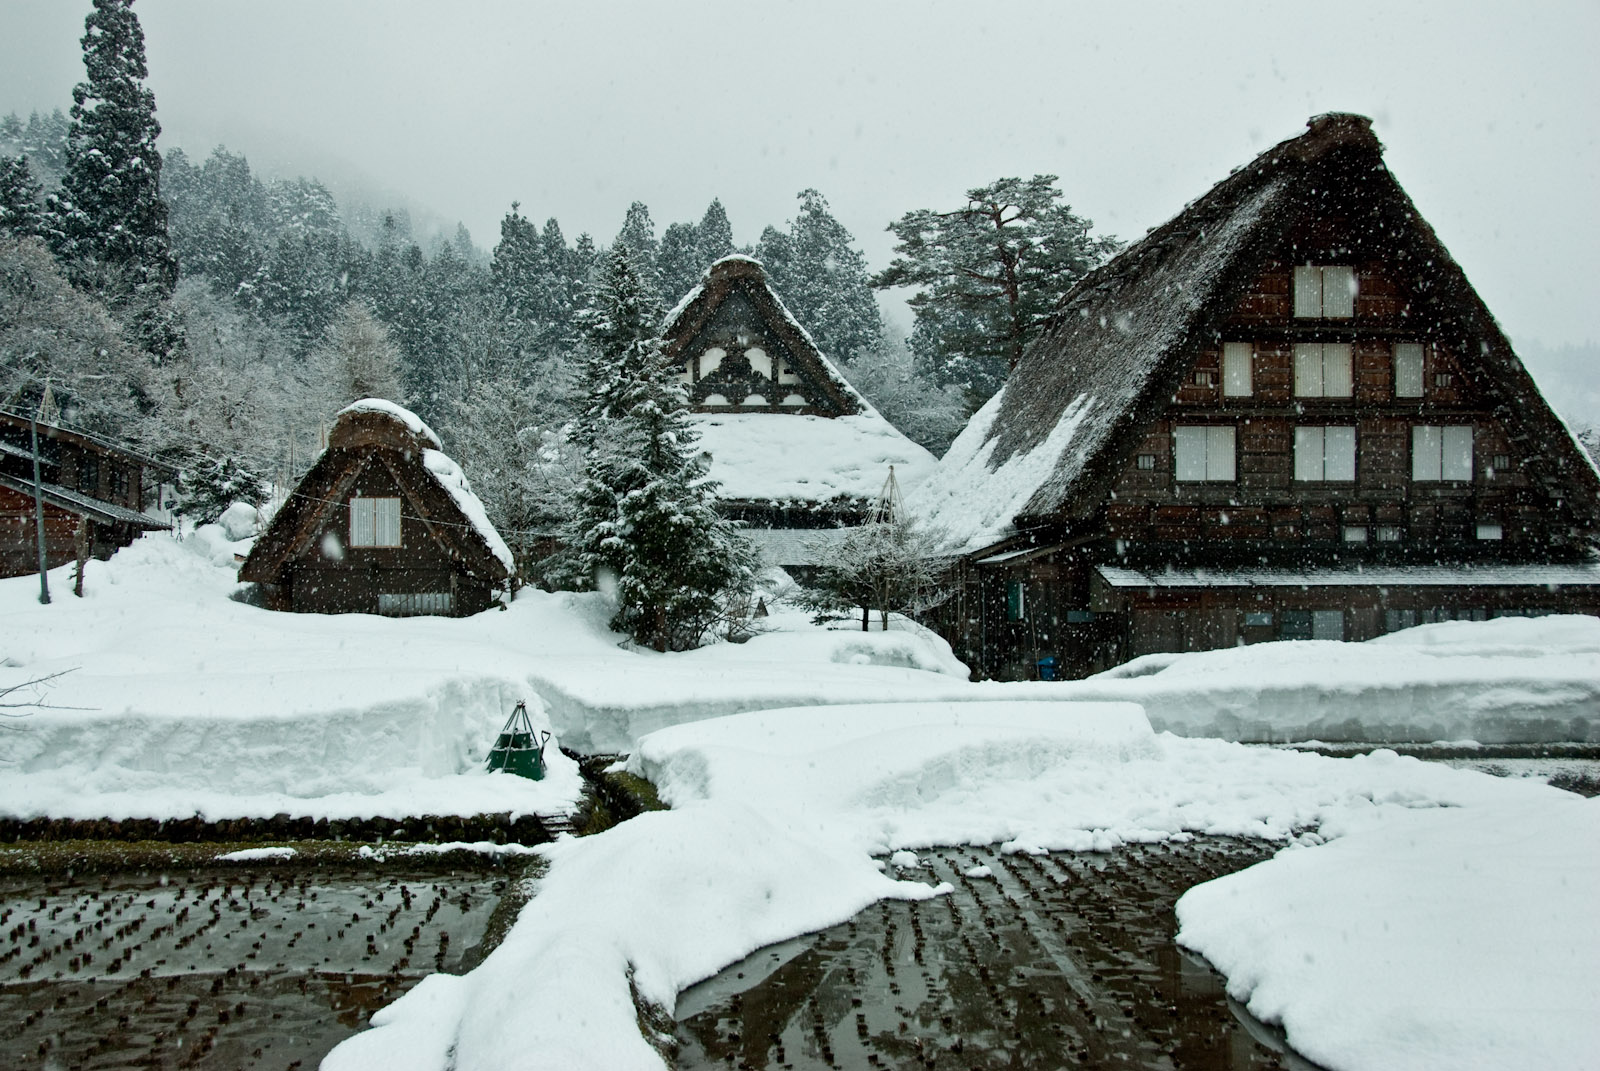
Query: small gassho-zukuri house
[
  {"x": 384, "y": 523},
  {"x": 97, "y": 495},
  {"x": 799, "y": 454},
  {"x": 1284, "y": 414}
]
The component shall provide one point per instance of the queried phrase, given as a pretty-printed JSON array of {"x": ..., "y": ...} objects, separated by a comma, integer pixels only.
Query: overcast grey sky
[{"x": 1488, "y": 111}]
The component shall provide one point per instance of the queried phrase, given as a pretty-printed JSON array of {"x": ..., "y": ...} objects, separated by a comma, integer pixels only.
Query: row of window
[
  {"x": 1205, "y": 453},
  {"x": 1321, "y": 370},
  {"x": 760, "y": 361},
  {"x": 414, "y": 603}
]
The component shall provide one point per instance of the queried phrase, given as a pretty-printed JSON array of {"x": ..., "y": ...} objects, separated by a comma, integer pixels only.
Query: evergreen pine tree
[
  {"x": 990, "y": 273},
  {"x": 647, "y": 513},
  {"x": 823, "y": 279},
  {"x": 680, "y": 262},
  {"x": 110, "y": 220},
  {"x": 21, "y": 211},
  {"x": 715, "y": 234},
  {"x": 638, "y": 234}
]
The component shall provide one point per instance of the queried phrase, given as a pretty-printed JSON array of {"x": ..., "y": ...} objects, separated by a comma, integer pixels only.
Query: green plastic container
[{"x": 515, "y": 750}]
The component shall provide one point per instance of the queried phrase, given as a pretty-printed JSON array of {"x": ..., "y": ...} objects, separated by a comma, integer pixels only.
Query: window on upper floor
[
  {"x": 1146, "y": 462},
  {"x": 1324, "y": 292},
  {"x": 1205, "y": 378},
  {"x": 375, "y": 522},
  {"x": 1490, "y": 530},
  {"x": 1203, "y": 453},
  {"x": 1325, "y": 454},
  {"x": 1355, "y": 533},
  {"x": 1322, "y": 370},
  {"x": 1408, "y": 370},
  {"x": 89, "y": 474},
  {"x": 1441, "y": 453},
  {"x": 118, "y": 479},
  {"x": 1389, "y": 533},
  {"x": 1236, "y": 361}
]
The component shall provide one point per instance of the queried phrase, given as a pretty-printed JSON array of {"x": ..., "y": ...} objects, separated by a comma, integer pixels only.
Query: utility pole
[{"x": 38, "y": 513}]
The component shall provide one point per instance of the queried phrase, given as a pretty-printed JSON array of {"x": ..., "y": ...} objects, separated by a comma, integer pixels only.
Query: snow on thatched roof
[
  {"x": 413, "y": 423},
  {"x": 789, "y": 458},
  {"x": 450, "y": 477},
  {"x": 1050, "y": 443}
]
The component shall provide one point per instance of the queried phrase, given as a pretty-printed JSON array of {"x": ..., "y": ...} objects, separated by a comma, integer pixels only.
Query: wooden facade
[
  {"x": 96, "y": 495},
  {"x": 1295, "y": 420},
  {"x": 379, "y": 525}
]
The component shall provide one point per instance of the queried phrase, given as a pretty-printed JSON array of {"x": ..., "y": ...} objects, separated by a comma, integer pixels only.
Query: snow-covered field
[{"x": 1420, "y": 916}]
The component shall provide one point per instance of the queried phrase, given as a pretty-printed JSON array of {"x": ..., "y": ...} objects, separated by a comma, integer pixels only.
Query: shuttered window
[
  {"x": 1408, "y": 370},
  {"x": 374, "y": 522},
  {"x": 1324, "y": 292},
  {"x": 1322, "y": 370},
  {"x": 1236, "y": 358},
  {"x": 1325, "y": 454},
  {"x": 1203, "y": 453},
  {"x": 1441, "y": 453}
]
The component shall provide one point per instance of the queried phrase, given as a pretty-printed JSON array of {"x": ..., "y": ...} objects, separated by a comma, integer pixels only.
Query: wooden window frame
[
  {"x": 1238, "y": 375},
  {"x": 1410, "y": 360},
  {"x": 1310, "y": 289},
  {"x": 1313, "y": 363},
  {"x": 1433, "y": 445}
]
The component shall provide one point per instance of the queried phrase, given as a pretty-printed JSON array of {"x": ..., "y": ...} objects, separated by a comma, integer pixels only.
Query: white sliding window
[
  {"x": 1408, "y": 370},
  {"x": 1203, "y": 452},
  {"x": 1325, "y": 454},
  {"x": 1325, "y": 292},
  {"x": 1236, "y": 358},
  {"x": 1441, "y": 453},
  {"x": 374, "y": 522},
  {"x": 1322, "y": 370}
]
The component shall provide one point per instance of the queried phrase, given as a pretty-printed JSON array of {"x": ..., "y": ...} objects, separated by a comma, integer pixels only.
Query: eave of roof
[{"x": 85, "y": 505}]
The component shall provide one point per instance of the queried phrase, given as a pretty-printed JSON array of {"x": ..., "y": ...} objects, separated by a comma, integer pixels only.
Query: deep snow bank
[
  {"x": 1455, "y": 938},
  {"x": 1507, "y": 680}
]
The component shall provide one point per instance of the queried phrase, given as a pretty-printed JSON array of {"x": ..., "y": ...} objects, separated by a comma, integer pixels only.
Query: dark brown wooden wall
[{"x": 316, "y": 583}]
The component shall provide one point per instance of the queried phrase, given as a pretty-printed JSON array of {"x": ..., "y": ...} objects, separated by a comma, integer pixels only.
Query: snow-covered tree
[
  {"x": 886, "y": 374},
  {"x": 638, "y": 235},
  {"x": 890, "y": 565},
  {"x": 823, "y": 278},
  {"x": 359, "y": 358},
  {"x": 714, "y": 235},
  {"x": 51, "y": 333},
  {"x": 647, "y": 523},
  {"x": 21, "y": 200},
  {"x": 680, "y": 263},
  {"x": 110, "y": 223},
  {"x": 989, "y": 272}
]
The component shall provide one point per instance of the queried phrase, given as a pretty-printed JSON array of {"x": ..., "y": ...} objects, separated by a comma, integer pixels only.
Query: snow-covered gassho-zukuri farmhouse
[
  {"x": 383, "y": 523},
  {"x": 798, "y": 453},
  {"x": 1283, "y": 414}
]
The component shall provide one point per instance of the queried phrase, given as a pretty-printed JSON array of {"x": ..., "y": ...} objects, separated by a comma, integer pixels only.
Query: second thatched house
[
  {"x": 1283, "y": 414},
  {"x": 384, "y": 523}
]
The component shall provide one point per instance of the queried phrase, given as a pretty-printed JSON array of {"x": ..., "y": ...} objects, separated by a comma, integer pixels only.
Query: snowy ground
[{"x": 850, "y": 748}]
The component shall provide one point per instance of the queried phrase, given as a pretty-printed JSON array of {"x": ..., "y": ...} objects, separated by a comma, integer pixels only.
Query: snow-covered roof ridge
[
  {"x": 778, "y": 458},
  {"x": 413, "y": 423},
  {"x": 450, "y": 477}
]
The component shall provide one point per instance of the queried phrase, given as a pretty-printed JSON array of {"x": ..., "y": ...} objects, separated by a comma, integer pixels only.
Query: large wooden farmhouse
[
  {"x": 98, "y": 495},
  {"x": 384, "y": 523},
  {"x": 796, "y": 451},
  {"x": 1284, "y": 414}
]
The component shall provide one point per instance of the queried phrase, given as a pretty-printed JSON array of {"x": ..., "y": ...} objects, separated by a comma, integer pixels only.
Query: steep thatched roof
[
  {"x": 1049, "y": 445},
  {"x": 696, "y": 320},
  {"x": 373, "y": 431}
]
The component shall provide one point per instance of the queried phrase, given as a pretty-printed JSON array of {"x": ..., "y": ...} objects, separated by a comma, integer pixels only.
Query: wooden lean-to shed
[{"x": 384, "y": 523}]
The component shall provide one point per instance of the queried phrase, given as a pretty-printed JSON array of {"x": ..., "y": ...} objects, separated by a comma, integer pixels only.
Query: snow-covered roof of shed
[
  {"x": 450, "y": 477},
  {"x": 781, "y": 457},
  {"x": 413, "y": 423},
  {"x": 1051, "y": 442}
]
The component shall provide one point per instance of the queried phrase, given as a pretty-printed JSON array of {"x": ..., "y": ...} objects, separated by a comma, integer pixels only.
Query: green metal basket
[{"x": 515, "y": 750}]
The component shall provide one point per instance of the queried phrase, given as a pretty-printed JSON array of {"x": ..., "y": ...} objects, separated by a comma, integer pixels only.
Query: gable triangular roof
[
  {"x": 1049, "y": 445},
  {"x": 735, "y": 276},
  {"x": 378, "y": 432}
]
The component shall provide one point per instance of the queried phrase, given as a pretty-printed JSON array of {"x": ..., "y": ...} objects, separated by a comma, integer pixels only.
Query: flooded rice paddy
[
  {"x": 1047, "y": 962},
  {"x": 220, "y": 968}
]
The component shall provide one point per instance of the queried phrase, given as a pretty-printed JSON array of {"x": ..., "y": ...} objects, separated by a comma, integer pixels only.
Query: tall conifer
[{"x": 110, "y": 220}]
